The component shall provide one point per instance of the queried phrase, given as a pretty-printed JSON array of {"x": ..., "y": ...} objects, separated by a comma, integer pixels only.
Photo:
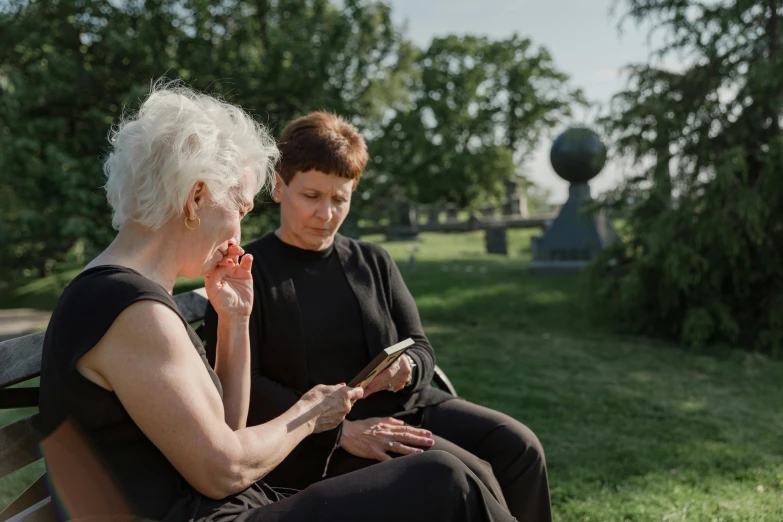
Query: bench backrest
[{"x": 20, "y": 361}]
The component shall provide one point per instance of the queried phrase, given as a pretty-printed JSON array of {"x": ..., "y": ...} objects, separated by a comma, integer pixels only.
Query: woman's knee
[
  {"x": 516, "y": 435},
  {"x": 532, "y": 444},
  {"x": 454, "y": 479},
  {"x": 441, "y": 465}
]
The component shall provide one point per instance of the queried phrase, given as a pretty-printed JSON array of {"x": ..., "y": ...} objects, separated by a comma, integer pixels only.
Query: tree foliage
[
  {"x": 701, "y": 260},
  {"x": 478, "y": 109},
  {"x": 68, "y": 69}
]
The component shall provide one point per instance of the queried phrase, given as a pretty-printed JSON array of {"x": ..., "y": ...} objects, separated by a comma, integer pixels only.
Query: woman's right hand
[
  {"x": 331, "y": 404},
  {"x": 229, "y": 284}
]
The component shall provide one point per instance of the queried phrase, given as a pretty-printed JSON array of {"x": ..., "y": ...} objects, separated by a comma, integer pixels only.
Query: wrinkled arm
[
  {"x": 232, "y": 367},
  {"x": 162, "y": 383}
]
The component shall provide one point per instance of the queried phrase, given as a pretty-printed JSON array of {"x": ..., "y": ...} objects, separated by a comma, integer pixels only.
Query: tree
[
  {"x": 68, "y": 69},
  {"x": 701, "y": 263},
  {"x": 478, "y": 109}
]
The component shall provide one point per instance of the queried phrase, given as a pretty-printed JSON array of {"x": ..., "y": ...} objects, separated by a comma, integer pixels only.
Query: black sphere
[{"x": 578, "y": 155}]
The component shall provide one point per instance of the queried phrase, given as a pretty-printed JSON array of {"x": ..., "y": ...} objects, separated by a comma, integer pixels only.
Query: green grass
[
  {"x": 634, "y": 430},
  {"x": 12, "y": 485}
]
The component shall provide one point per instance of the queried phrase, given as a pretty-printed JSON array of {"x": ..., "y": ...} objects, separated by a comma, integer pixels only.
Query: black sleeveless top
[{"x": 151, "y": 485}]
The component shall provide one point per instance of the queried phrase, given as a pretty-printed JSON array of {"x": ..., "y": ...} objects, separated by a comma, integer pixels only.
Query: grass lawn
[{"x": 634, "y": 430}]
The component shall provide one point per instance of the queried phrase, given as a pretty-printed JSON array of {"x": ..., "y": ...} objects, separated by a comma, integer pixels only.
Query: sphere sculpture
[
  {"x": 576, "y": 235},
  {"x": 578, "y": 155}
]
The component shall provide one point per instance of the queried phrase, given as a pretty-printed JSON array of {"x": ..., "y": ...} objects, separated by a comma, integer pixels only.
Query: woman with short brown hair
[{"x": 325, "y": 305}]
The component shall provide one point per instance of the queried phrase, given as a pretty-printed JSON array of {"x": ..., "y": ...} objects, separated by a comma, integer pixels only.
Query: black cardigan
[{"x": 278, "y": 363}]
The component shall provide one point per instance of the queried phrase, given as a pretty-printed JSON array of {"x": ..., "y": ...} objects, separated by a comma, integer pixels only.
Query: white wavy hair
[{"x": 177, "y": 138}]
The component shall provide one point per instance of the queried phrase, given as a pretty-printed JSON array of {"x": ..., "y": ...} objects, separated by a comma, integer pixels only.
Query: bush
[{"x": 706, "y": 269}]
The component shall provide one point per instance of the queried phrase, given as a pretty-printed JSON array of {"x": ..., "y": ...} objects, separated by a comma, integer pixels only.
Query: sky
[{"x": 582, "y": 36}]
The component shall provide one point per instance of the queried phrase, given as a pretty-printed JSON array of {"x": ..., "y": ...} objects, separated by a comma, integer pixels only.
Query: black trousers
[
  {"x": 502, "y": 452},
  {"x": 433, "y": 486}
]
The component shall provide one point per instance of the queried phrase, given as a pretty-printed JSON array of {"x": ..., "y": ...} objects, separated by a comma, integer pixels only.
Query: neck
[{"x": 151, "y": 253}]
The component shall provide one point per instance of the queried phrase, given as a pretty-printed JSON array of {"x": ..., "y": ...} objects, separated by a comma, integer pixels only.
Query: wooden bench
[{"x": 20, "y": 360}]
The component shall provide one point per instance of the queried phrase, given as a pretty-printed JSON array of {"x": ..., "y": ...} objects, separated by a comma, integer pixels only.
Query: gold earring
[{"x": 198, "y": 223}]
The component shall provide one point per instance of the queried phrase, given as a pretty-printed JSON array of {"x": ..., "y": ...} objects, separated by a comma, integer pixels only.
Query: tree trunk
[{"x": 661, "y": 174}]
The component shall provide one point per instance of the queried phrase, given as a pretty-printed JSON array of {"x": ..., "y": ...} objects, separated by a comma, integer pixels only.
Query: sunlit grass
[{"x": 634, "y": 430}]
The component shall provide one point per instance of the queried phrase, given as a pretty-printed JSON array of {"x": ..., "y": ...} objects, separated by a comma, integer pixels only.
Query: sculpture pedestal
[{"x": 575, "y": 236}]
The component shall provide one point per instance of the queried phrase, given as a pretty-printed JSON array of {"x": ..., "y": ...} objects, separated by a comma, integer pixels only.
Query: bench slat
[
  {"x": 38, "y": 491},
  {"x": 443, "y": 382},
  {"x": 18, "y": 398},
  {"x": 20, "y": 358},
  {"x": 41, "y": 511},
  {"x": 192, "y": 305},
  {"x": 19, "y": 445}
]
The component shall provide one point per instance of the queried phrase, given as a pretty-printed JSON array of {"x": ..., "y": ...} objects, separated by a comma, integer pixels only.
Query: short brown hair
[{"x": 324, "y": 142}]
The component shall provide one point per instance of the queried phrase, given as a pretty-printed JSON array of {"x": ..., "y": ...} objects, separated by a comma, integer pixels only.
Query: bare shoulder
[
  {"x": 147, "y": 359},
  {"x": 146, "y": 335}
]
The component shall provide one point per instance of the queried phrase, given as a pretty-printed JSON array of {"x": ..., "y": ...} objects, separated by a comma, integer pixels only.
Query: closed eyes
[{"x": 317, "y": 196}]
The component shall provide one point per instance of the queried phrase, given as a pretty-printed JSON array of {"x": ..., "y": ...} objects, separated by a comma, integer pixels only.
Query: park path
[{"x": 21, "y": 321}]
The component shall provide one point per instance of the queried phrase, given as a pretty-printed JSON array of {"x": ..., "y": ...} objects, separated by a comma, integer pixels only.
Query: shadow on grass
[
  {"x": 497, "y": 293},
  {"x": 634, "y": 430},
  {"x": 618, "y": 416},
  {"x": 612, "y": 413}
]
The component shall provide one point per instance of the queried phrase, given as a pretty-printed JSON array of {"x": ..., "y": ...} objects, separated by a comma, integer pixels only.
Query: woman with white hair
[{"x": 137, "y": 423}]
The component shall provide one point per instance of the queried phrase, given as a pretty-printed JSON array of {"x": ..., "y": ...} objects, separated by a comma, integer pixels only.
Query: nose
[
  {"x": 324, "y": 210},
  {"x": 234, "y": 241}
]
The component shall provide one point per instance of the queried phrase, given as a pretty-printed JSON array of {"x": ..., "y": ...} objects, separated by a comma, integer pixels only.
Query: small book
[{"x": 381, "y": 361}]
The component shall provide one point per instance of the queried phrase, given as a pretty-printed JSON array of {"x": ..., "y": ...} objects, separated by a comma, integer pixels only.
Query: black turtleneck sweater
[{"x": 335, "y": 345}]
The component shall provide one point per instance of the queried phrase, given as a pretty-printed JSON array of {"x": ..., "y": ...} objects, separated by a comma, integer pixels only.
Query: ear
[
  {"x": 279, "y": 184},
  {"x": 197, "y": 197}
]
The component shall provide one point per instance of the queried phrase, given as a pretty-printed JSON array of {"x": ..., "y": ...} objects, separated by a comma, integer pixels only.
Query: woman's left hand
[
  {"x": 230, "y": 284},
  {"x": 374, "y": 438},
  {"x": 393, "y": 379}
]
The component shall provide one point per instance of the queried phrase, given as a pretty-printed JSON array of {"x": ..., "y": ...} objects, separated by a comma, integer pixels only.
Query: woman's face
[
  {"x": 312, "y": 208},
  {"x": 219, "y": 228}
]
